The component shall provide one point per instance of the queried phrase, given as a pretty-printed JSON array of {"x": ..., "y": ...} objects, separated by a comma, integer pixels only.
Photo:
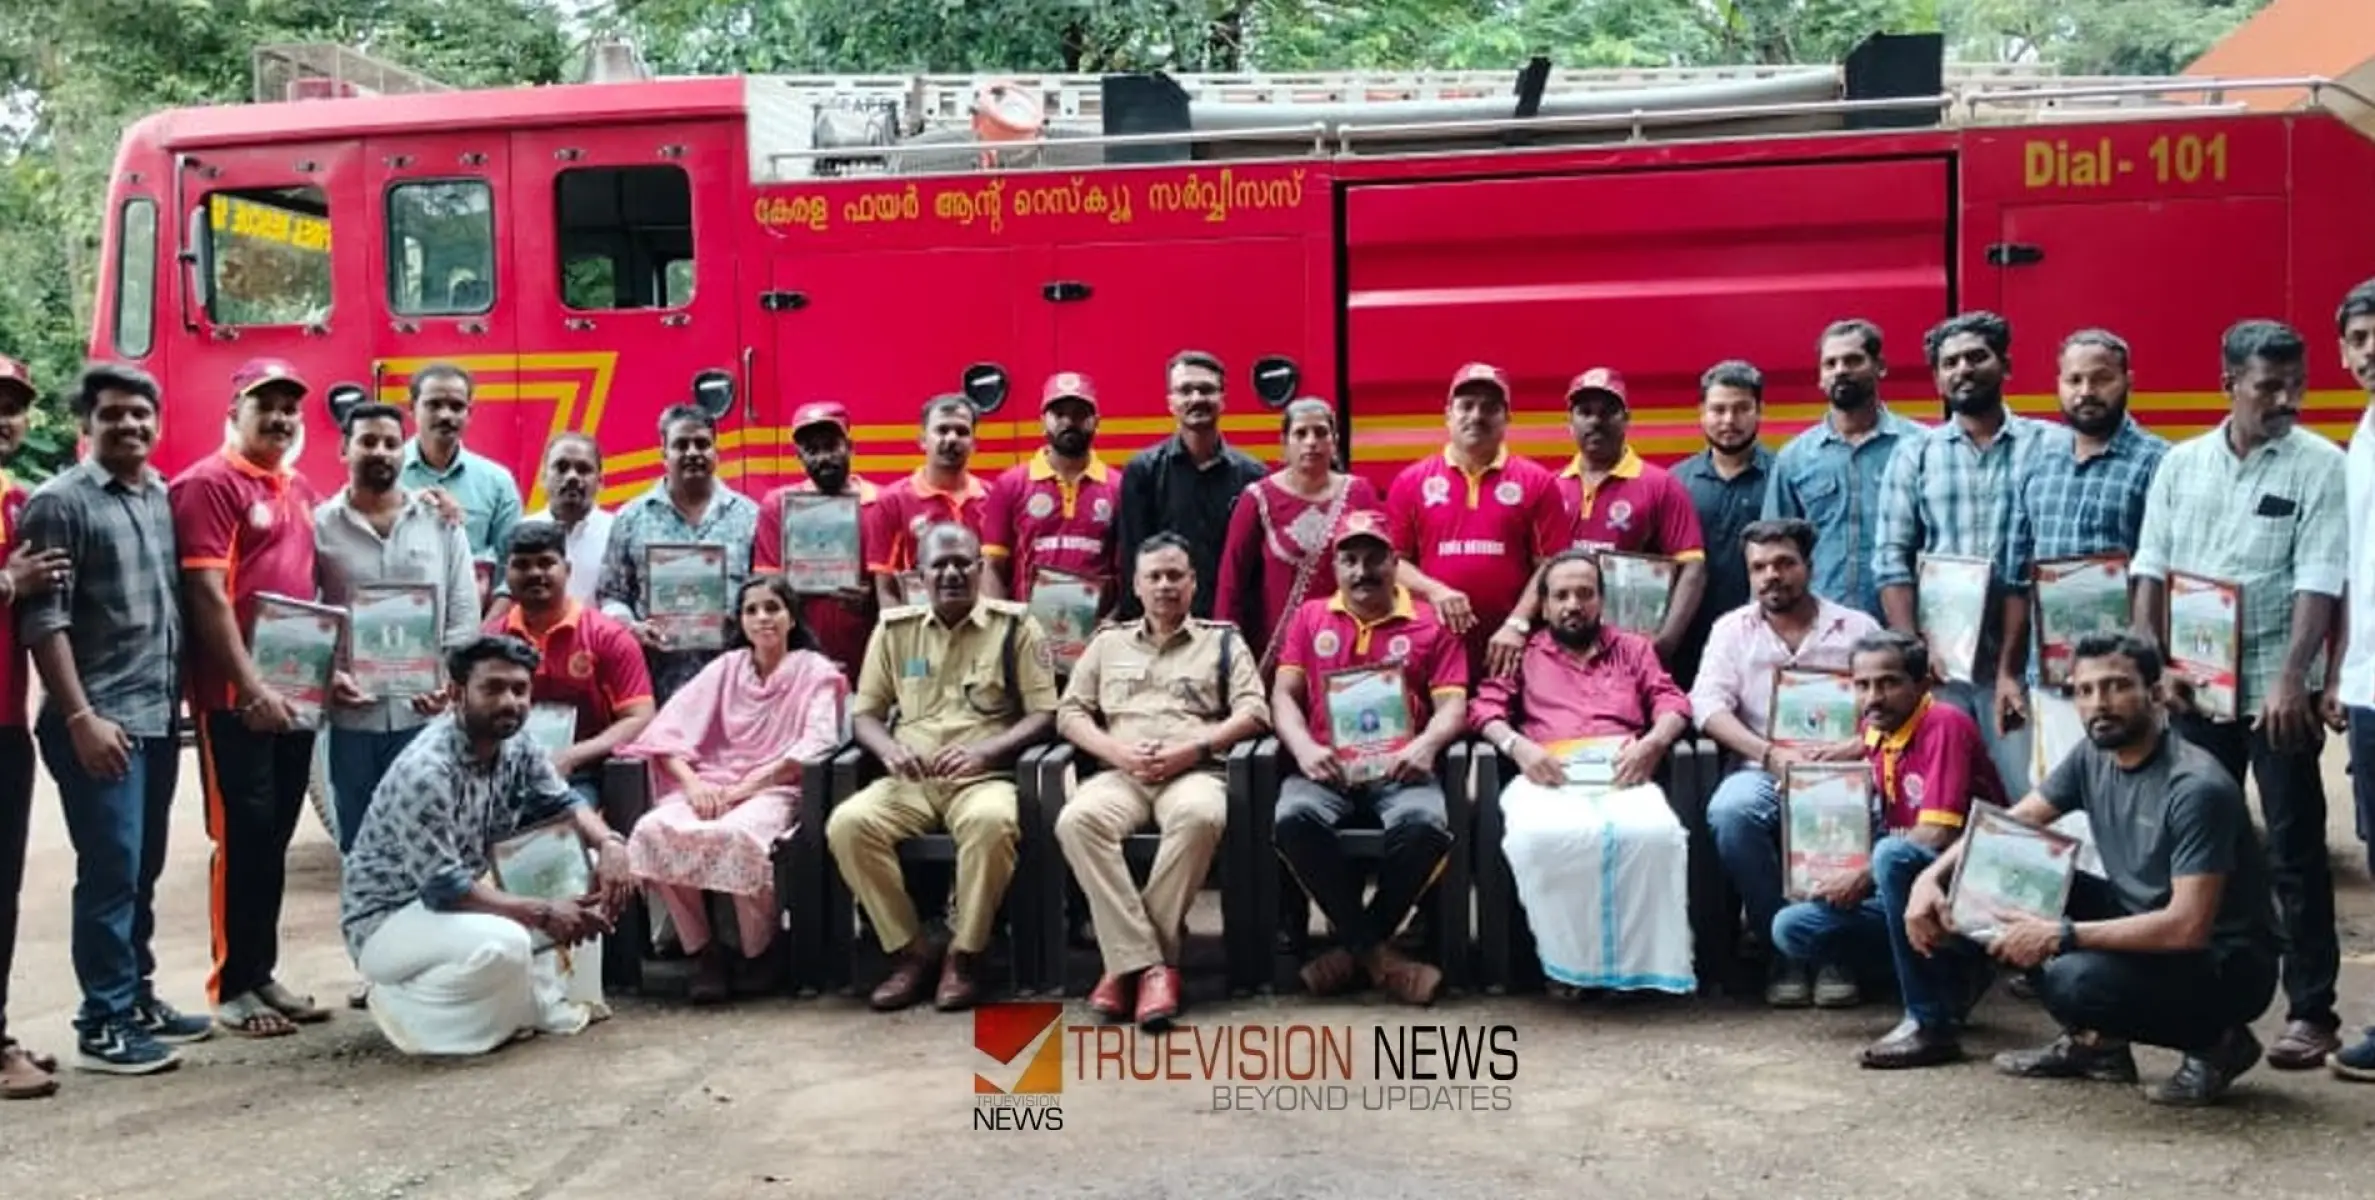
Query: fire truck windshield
[{"x": 270, "y": 252}]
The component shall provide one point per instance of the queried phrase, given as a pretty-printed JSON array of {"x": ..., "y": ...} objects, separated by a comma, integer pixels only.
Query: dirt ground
[{"x": 1707, "y": 1098}]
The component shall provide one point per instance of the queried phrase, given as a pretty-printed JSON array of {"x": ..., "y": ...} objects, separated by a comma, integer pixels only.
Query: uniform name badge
[
  {"x": 1369, "y": 719},
  {"x": 1066, "y": 607},
  {"x": 820, "y": 543},
  {"x": 395, "y": 640},
  {"x": 684, "y": 591}
]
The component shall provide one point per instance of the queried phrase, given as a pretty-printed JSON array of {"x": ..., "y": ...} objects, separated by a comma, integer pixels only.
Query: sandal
[
  {"x": 250, "y": 1016},
  {"x": 300, "y": 1009},
  {"x": 48, "y": 1063},
  {"x": 22, "y": 1077}
]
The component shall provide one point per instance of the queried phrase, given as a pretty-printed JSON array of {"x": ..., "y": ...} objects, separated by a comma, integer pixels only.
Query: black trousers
[
  {"x": 1417, "y": 837},
  {"x": 2293, "y": 805},
  {"x": 255, "y": 791},
  {"x": 2185, "y": 1002},
  {"x": 16, "y": 828}
]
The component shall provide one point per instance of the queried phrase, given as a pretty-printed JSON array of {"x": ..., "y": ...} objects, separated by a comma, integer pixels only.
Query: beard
[
  {"x": 1070, "y": 443},
  {"x": 2098, "y": 426},
  {"x": 376, "y": 476},
  {"x": 1846, "y": 393},
  {"x": 1575, "y": 637},
  {"x": 1976, "y": 400},
  {"x": 829, "y": 476}
]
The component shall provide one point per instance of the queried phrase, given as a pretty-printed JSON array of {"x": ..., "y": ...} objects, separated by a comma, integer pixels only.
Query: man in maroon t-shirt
[
  {"x": 839, "y": 621},
  {"x": 590, "y": 665},
  {"x": 1056, "y": 513},
  {"x": 244, "y": 524}
]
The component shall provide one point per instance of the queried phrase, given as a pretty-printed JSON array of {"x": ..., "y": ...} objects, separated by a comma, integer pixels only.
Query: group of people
[{"x": 1228, "y": 601}]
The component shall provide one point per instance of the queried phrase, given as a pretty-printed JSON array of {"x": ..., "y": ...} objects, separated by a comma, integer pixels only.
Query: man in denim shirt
[{"x": 1830, "y": 474}]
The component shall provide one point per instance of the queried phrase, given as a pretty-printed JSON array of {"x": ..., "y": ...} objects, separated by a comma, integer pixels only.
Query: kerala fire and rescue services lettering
[
  {"x": 1214, "y": 198},
  {"x": 2168, "y": 158}
]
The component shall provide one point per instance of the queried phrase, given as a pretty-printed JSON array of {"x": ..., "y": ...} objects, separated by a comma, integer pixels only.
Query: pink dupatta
[{"x": 728, "y": 722}]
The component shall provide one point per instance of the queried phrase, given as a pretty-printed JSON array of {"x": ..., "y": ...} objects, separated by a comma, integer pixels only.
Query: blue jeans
[
  {"x": 1745, "y": 816},
  {"x": 119, "y": 828},
  {"x": 2362, "y": 777},
  {"x": 1873, "y": 933},
  {"x": 358, "y": 760},
  {"x": 2008, "y": 751}
]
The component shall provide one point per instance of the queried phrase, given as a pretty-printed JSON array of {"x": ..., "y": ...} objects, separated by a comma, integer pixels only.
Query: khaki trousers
[
  {"x": 1137, "y": 931},
  {"x": 866, "y": 829}
]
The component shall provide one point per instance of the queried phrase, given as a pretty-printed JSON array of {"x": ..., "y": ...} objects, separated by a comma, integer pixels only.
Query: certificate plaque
[
  {"x": 2205, "y": 639},
  {"x": 821, "y": 549},
  {"x": 543, "y": 862},
  {"x": 913, "y": 591},
  {"x": 553, "y": 727},
  {"x": 2076, "y": 597},
  {"x": 1810, "y": 707},
  {"x": 2009, "y": 871},
  {"x": 2058, "y": 728},
  {"x": 1951, "y": 598},
  {"x": 1636, "y": 589},
  {"x": 684, "y": 593},
  {"x": 1826, "y": 824},
  {"x": 1066, "y": 607},
  {"x": 295, "y": 647},
  {"x": 1589, "y": 762},
  {"x": 1369, "y": 719},
  {"x": 395, "y": 640}
]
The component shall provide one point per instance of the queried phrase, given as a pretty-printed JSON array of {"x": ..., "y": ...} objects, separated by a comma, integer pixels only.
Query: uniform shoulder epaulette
[
  {"x": 1213, "y": 623},
  {"x": 904, "y": 612},
  {"x": 1012, "y": 608}
]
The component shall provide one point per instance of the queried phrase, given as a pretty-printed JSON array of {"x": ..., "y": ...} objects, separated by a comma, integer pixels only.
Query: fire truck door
[
  {"x": 445, "y": 286},
  {"x": 624, "y": 249},
  {"x": 262, "y": 275}
]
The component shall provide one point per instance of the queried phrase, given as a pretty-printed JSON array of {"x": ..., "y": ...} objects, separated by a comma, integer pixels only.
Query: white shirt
[
  {"x": 586, "y": 543},
  {"x": 2358, "y": 666}
]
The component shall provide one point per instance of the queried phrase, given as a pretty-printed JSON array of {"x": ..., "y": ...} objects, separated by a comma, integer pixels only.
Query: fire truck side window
[
  {"x": 270, "y": 255},
  {"x": 441, "y": 248},
  {"x": 626, "y": 237},
  {"x": 136, "y": 278}
]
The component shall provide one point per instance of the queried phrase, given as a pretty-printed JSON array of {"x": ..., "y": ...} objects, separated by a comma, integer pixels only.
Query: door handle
[
  {"x": 581, "y": 324},
  {"x": 2014, "y": 254},
  {"x": 750, "y": 398},
  {"x": 479, "y": 327},
  {"x": 1065, "y": 291},
  {"x": 405, "y": 326},
  {"x": 677, "y": 320},
  {"x": 225, "y": 333}
]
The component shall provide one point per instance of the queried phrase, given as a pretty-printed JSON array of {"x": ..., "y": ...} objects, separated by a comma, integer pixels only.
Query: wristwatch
[{"x": 2069, "y": 937}]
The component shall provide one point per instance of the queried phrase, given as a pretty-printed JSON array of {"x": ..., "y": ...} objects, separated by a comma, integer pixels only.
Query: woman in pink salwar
[
  {"x": 1276, "y": 554},
  {"x": 725, "y": 756}
]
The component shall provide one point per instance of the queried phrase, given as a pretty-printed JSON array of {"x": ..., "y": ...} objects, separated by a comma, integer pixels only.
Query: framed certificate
[
  {"x": 394, "y": 649},
  {"x": 2076, "y": 597},
  {"x": 684, "y": 593},
  {"x": 2059, "y": 731},
  {"x": 553, "y": 727},
  {"x": 543, "y": 862},
  {"x": 1635, "y": 589},
  {"x": 913, "y": 591},
  {"x": 2205, "y": 640},
  {"x": 1590, "y": 761},
  {"x": 1810, "y": 707},
  {"x": 1826, "y": 823},
  {"x": 1369, "y": 719},
  {"x": 2009, "y": 870},
  {"x": 1066, "y": 606},
  {"x": 1951, "y": 605},
  {"x": 295, "y": 646},
  {"x": 821, "y": 551}
]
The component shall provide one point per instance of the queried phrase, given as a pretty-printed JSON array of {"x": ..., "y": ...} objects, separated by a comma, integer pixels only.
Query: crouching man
[
  {"x": 457, "y": 966},
  {"x": 2176, "y": 946},
  {"x": 1600, "y": 862}
]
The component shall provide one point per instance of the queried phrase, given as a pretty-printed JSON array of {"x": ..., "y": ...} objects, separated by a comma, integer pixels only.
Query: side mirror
[
  {"x": 342, "y": 398},
  {"x": 986, "y": 386},
  {"x": 713, "y": 393},
  {"x": 1275, "y": 379}
]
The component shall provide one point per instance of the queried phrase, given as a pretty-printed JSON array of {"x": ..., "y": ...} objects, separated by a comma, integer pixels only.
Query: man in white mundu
[{"x": 1600, "y": 862}]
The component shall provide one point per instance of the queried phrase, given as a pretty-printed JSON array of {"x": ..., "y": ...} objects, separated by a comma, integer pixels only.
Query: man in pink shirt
[
  {"x": 1784, "y": 626},
  {"x": 1598, "y": 857}
]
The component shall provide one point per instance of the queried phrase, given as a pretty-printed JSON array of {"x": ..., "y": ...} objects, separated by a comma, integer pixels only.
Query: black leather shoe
[
  {"x": 1912, "y": 1045},
  {"x": 2068, "y": 1058}
]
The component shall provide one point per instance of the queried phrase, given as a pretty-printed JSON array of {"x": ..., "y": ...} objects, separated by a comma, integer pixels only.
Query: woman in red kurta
[{"x": 1277, "y": 556}]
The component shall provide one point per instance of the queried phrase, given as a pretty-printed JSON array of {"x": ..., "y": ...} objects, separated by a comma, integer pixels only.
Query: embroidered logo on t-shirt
[{"x": 1509, "y": 493}]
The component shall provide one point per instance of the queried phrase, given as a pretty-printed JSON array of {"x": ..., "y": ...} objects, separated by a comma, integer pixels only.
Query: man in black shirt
[
  {"x": 1187, "y": 483},
  {"x": 2175, "y": 946},
  {"x": 1727, "y": 483}
]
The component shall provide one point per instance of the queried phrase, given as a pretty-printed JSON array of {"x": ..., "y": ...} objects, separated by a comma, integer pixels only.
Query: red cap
[
  {"x": 1362, "y": 523},
  {"x": 14, "y": 372},
  {"x": 1598, "y": 379},
  {"x": 1067, "y": 385},
  {"x": 257, "y": 372},
  {"x": 820, "y": 412},
  {"x": 1475, "y": 373}
]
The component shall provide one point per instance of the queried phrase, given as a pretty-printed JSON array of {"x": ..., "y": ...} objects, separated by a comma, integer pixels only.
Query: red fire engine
[{"x": 597, "y": 252}]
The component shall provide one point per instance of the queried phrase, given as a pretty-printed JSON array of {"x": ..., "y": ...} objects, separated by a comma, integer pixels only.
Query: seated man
[
  {"x": 973, "y": 683},
  {"x": 2178, "y": 949},
  {"x": 1366, "y": 761},
  {"x": 590, "y": 674},
  {"x": 1784, "y": 625},
  {"x": 1173, "y": 694},
  {"x": 1587, "y": 717},
  {"x": 450, "y": 959},
  {"x": 1928, "y": 764}
]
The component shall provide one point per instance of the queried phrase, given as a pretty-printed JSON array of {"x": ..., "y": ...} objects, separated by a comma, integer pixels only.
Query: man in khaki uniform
[
  {"x": 1173, "y": 694},
  {"x": 972, "y": 683}
]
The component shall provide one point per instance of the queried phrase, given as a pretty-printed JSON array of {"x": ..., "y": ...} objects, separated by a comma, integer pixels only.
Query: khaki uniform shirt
[
  {"x": 948, "y": 685},
  {"x": 1167, "y": 689}
]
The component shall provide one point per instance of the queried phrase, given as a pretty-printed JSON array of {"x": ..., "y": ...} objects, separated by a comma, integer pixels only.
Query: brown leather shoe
[
  {"x": 1110, "y": 999},
  {"x": 1404, "y": 978},
  {"x": 1912, "y": 1045},
  {"x": 1332, "y": 973},
  {"x": 959, "y": 989},
  {"x": 910, "y": 968},
  {"x": 1158, "y": 997},
  {"x": 2303, "y": 1046}
]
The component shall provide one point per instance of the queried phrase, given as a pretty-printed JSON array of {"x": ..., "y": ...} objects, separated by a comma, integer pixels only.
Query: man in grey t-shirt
[{"x": 2176, "y": 946}]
